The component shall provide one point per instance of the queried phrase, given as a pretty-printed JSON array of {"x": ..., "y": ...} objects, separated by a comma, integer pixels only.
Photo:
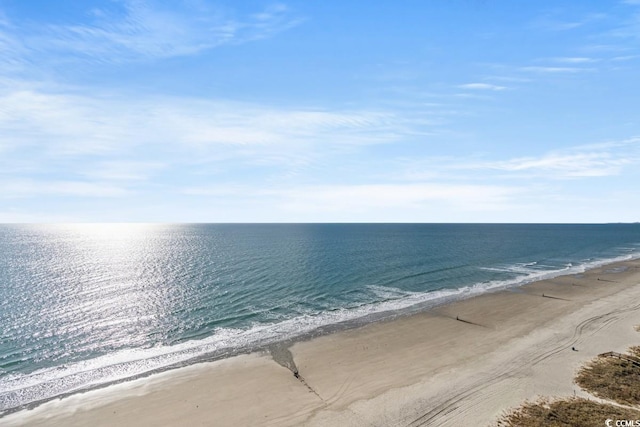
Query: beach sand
[{"x": 463, "y": 363}]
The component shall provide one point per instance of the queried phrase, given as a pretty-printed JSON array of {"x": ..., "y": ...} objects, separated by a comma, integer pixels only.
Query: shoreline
[
  {"x": 410, "y": 369},
  {"x": 378, "y": 312}
]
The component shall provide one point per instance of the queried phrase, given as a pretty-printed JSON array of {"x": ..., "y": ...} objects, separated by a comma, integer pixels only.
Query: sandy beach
[{"x": 463, "y": 363}]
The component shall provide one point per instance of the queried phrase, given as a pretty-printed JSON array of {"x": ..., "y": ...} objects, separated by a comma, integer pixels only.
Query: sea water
[{"x": 83, "y": 306}]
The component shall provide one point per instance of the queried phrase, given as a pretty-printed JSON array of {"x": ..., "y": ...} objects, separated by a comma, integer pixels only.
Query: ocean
[{"x": 87, "y": 305}]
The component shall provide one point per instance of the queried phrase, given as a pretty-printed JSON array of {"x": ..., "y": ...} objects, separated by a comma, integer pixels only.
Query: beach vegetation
[
  {"x": 613, "y": 376},
  {"x": 565, "y": 412}
]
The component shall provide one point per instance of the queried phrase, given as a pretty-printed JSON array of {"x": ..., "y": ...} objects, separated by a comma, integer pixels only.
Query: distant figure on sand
[{"x": 573, "y": 348}]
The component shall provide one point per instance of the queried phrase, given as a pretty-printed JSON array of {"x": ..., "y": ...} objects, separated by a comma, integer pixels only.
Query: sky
[{"x": 319, "y": 111}]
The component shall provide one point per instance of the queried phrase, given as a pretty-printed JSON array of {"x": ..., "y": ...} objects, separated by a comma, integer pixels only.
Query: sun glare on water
[
  {"x": 111, "y": 231},
  {"x": 117, "y": 278}
]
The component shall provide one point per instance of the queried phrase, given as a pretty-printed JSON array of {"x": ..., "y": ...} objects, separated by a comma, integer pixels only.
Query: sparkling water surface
[{"x": 86, "y": 305}]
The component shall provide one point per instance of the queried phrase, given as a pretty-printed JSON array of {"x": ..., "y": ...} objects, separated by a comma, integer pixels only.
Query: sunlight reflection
[
  {"x": 111, "y": 231},
  {"x": 121, "y": 291}
]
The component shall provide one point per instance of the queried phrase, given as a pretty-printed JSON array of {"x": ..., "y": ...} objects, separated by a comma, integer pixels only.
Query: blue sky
[{"x": 309, "y": 111}]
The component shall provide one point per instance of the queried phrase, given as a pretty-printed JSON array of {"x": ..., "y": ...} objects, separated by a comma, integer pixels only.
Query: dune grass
[
  {"x": 576, "y": 412},
  {"x": 609, "y": 378},
  {"x": 612, "y": 378}
]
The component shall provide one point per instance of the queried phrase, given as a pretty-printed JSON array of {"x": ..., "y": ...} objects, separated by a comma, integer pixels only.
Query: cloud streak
[
  {"x": 362, "y": 198},
  {"x": 142, "y": 30},
  {"x": 482, "y": 86},
  {"x": 369, "y": 202},
  {"x": 567, "y": 165},
  {"x": 115, "y": 142},
  {"x": 78, "y": 124},
  {"x": 593, "y": 160},
  {"x": 552, "y": 23},
  {"x": 30, "y": 188},
  {"x": 575, "y": 60},
  {"x": 554, "y": 70},
  {"x": 579, "y": 162}
]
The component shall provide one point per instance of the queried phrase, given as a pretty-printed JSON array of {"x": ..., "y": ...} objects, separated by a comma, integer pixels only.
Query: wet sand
[{"x": 459, "y": 364}]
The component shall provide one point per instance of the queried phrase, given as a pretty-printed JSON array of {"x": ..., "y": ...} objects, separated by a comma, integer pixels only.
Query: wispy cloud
[
  {"x": 625, "y": 58},
  {"x": 564, "y": 70},
  {"x": 144, "y": 29},
  {"x": 567, "y": 165},
  {"x": 370, "y": 201},
  {"x": 30, "y": 188},
  {"x": 575, "y": 60},
  {"x": 345, "y": 198},
  {"x": 509, "y": 79},
  {"x": 123, "y": 142},
  {"x": 551, "y": 22},
  {"x": 594, "y": 160},
  {"x": 78, "y": 124},
  {"x": 482, "y": 86},
  {"x": 63, "y": 124},
  {"x": 584, "y": 161},
  {"x": 15, "y": 55},
  {"x": 628, "y": 29},
  {"x": 122, "y": 170}
]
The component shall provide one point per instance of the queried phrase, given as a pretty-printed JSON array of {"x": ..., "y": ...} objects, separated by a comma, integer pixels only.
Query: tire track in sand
[{"x": 442, "y": 412}]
